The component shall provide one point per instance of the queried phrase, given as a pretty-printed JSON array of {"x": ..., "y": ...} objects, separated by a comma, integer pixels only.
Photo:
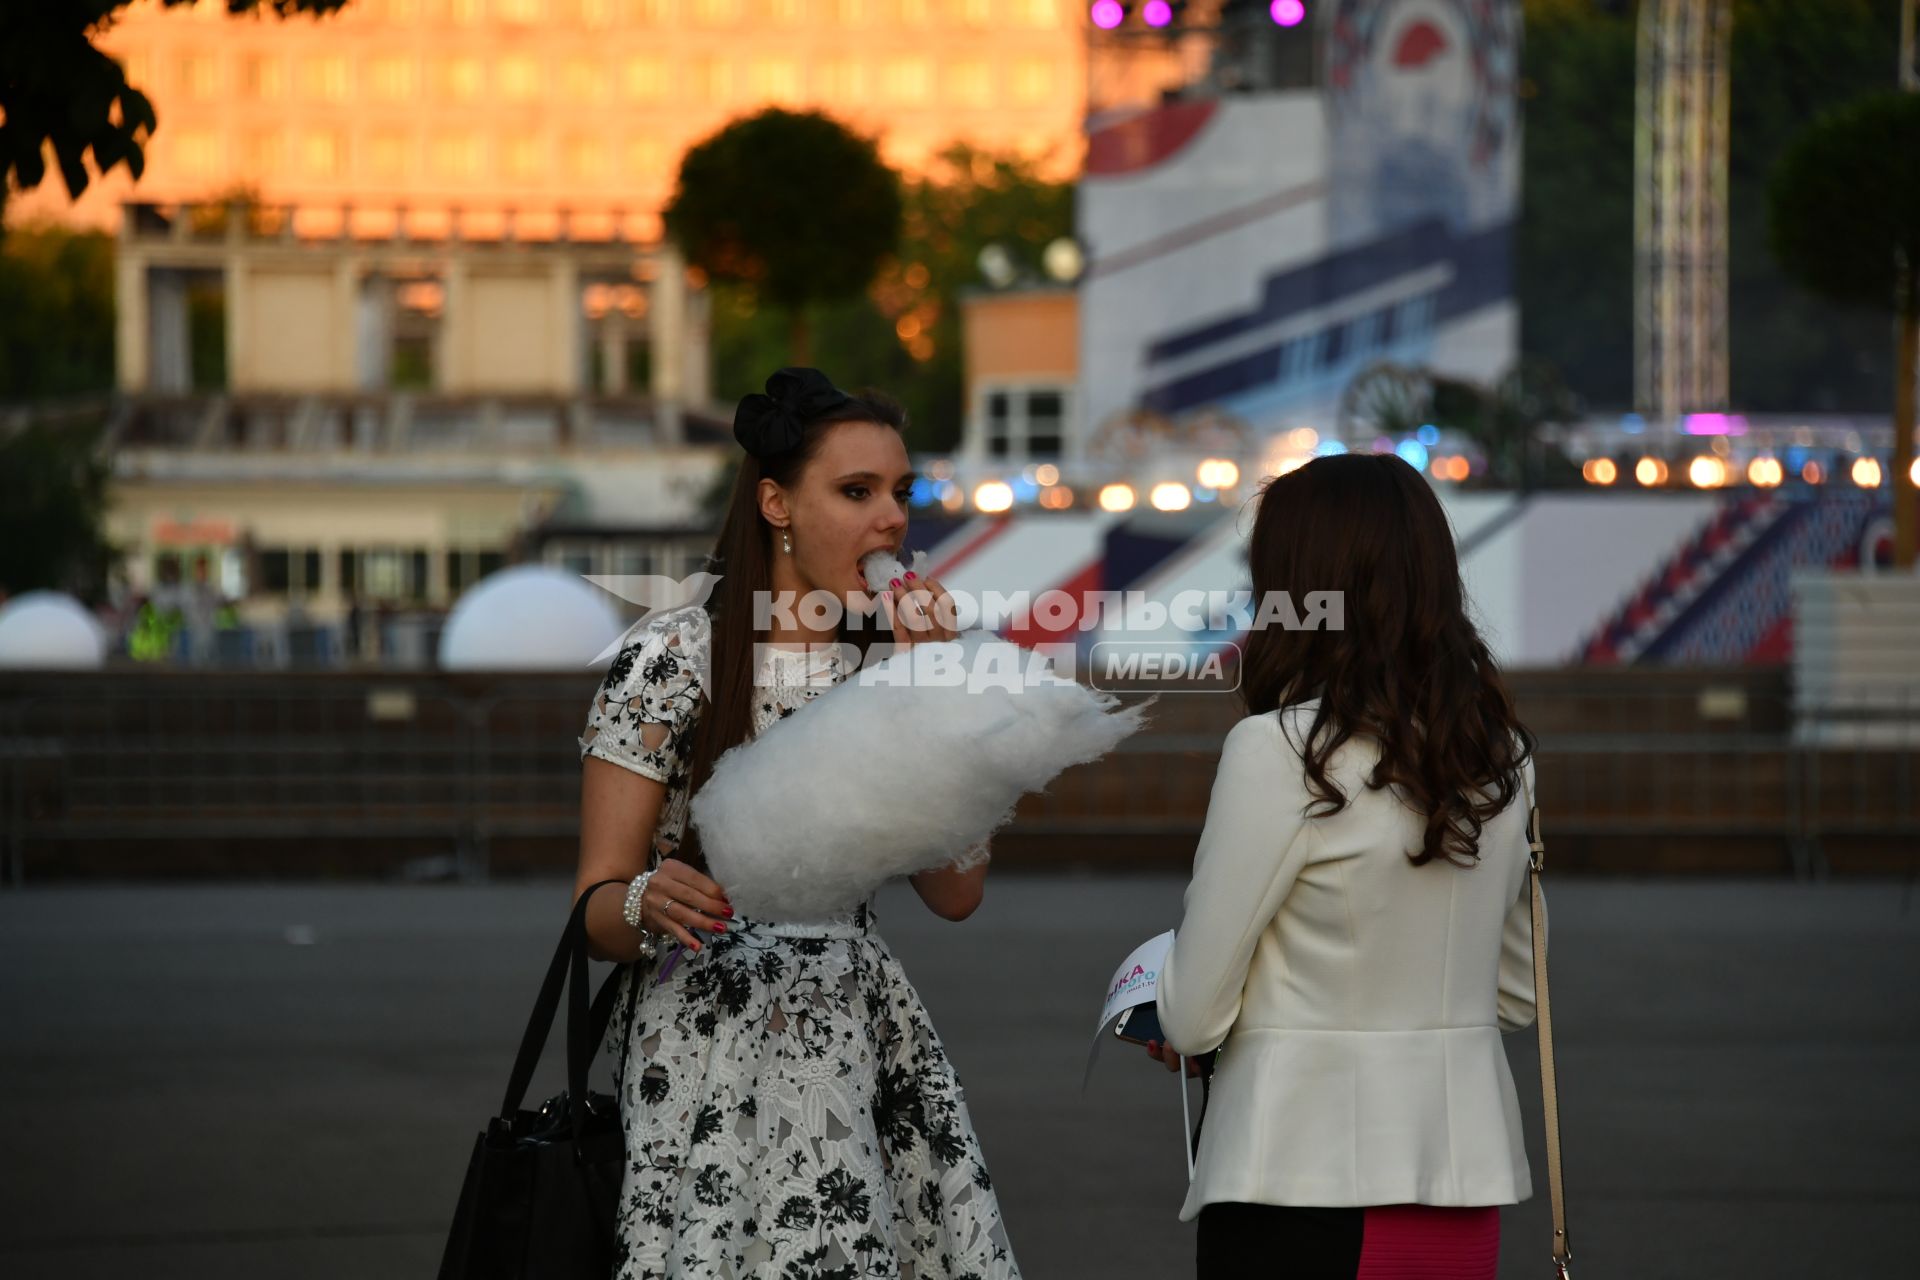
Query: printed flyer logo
[{"x": 1139, "y": 976}]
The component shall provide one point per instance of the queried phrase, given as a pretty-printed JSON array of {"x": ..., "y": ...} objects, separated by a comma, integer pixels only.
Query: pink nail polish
[
  {"x": 911, "y": 575},
  {"x": 893, "y": 582}
]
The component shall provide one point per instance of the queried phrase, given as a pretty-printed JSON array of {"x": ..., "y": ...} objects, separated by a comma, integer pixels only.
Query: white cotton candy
[
  {"x": 882, "y": 567},
  {"x": 882, "y": 777}
]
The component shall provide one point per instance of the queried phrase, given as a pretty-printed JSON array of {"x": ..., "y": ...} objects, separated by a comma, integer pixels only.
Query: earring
[{"x": 786, "y": 542}]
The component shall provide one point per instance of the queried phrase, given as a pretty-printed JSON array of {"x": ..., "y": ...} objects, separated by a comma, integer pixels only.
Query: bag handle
[
  {"x": 569, "y": 959},
  {"x": 1543, "y": 1019}
]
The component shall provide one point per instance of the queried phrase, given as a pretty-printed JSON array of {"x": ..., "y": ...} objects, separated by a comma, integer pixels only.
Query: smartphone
[{"x": 1140, "y": 1025}]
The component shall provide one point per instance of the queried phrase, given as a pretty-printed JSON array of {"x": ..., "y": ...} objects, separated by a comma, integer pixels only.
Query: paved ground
[{"x": 187, "y": 1093}]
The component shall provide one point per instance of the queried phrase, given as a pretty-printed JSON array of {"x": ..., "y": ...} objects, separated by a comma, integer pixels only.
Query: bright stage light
[
  {"x": 994, "y": 496},
  {"x": 1108, "y": 14},
  {"x": 1157, "y": 13},
  {"x": 1288, "y": 13},
  {"x": 1707, "y": 472},
  {"x": 1171, "y": 495}
]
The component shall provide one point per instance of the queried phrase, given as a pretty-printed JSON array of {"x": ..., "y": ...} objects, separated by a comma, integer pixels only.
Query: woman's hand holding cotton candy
[
  {"x": 679, "y": 899},
  {"x": 918, "y": 610}
]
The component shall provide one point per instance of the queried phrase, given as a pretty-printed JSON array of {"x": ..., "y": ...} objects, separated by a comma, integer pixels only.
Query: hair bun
[{"x": 775, "y": 423}]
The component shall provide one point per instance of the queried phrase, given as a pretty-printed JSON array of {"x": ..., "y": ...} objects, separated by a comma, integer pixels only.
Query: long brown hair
[
  {"x": 1407, "y": 669},
  {"x": 743, "y": 557}
]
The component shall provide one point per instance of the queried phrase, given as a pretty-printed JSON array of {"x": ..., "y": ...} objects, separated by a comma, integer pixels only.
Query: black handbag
[{"x": 543, "y": 1187}]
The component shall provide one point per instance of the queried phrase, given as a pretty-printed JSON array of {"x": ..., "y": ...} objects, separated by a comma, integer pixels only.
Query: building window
[
  {"x": 647, "y": 79},
  {"x": 468, "y": 565},
  {"x": 276, "y": 570},
  {"x": 842, "y": 82},
  {"x": 387, "y": 154},
  {"x": 710, "y": 80},
  {"x": 583, "y": 80},
  {"x": 455, "y": 155},
  {"x": 323, "y": 153},
  {"x": 1046, "y": 423},
  {"x": 970, "y": 84},
  {"x": 586, "y": 159},
  {"x": 329, "y": 79},
  {"x": 1032, "y": 80},
  {"x": 775, "y": 80},
  {"x": 393, "y": 79},
  {"x": 907, "y": 80},
  {"x": 198, "y": 153},
  {"x": 200, "y": 76},
  {"x": 263, "y": 78},
  {"x": 289, "y": 570},
  {"x": 519, "y": 79},
  {"x": 261, "y": 153},
  {"x": 392, "y": 573},
  {"x": 646, "y": 158},
  {"x": 525, "y": 155},
  {"x": 1026, "y": 422},
  {"x": 459, "y": 79}
]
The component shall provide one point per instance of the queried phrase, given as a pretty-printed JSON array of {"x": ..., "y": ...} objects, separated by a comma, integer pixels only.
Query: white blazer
[{"x": 1357, "y": 999}]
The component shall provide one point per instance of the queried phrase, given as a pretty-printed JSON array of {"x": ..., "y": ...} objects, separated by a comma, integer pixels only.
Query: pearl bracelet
[{"x": 636, "y": 893}]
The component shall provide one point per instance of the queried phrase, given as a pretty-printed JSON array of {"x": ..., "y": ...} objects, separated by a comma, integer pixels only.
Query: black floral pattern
[{"x": 790, "y": 1111}]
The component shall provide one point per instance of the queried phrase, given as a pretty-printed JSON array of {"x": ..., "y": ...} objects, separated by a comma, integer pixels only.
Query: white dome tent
[
  {"x": 52, "y": 630},
  {"x": 529, "y": 618}
]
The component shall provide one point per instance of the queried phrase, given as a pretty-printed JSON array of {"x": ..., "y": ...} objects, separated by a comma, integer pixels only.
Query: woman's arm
[
  {"x": 951, "y": 893},
  {"x": 1251, "y": 850},
  {"x": 618, "y": 812}
]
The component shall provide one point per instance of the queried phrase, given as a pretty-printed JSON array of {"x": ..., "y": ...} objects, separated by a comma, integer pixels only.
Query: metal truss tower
[{"x": 1680, "y": 209}]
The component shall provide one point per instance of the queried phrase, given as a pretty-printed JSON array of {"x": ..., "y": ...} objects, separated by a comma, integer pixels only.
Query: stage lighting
[
  {"x": 1288, "y": 13},
  {"x": 1107, "y": 14},
  {"x": 1156, "y": 13}
]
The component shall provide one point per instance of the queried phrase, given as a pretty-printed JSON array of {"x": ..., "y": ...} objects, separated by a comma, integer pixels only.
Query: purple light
[
  {"x": 1288, "y": 13},
  {"x": 1108, "y": 14},
  {"x": 1158, "y": 13},
  {"x": 1715, "y": 424}
]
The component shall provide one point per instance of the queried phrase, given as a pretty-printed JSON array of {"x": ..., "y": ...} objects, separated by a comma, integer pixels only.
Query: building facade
[{"x": 587, "y": 105}]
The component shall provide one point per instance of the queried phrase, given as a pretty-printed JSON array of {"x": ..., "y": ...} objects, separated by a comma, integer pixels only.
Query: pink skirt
[{"x": 1386, "y": 1242}]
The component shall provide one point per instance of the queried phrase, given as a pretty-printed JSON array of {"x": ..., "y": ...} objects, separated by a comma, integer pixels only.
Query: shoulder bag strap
[{"x": 1543, "y": 1019}]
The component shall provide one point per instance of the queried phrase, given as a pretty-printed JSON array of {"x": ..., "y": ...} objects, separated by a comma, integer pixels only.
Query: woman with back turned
[{"x": 1356, "y": 933}]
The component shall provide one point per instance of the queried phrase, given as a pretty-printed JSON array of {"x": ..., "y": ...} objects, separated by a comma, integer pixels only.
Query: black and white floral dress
[{"x": 790, "y": 1112}]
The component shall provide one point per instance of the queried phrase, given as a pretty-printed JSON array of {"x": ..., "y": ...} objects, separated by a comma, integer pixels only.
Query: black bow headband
[{"x": 774, "y": 423}]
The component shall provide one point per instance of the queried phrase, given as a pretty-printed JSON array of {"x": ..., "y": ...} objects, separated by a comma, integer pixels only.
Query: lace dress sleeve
[{"x": 642, "y": 718}]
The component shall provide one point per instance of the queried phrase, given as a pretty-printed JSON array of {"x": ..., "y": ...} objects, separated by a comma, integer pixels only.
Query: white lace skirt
[{"x": 791, "y": 1113}]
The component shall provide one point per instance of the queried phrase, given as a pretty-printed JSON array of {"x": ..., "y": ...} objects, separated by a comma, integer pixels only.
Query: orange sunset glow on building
[{"x": 580, "y": 104}]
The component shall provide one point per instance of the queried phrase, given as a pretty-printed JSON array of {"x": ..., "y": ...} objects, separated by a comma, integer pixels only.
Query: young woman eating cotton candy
[{"x": 788, "y": 1107}]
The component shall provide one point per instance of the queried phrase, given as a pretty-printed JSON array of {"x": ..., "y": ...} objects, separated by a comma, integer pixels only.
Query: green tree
[
  {"x": 53, "y": 493},
  {"x": 58, "y": 91},
  {"x": 1574, "y": 244},
  {"x": 1792, "y": 349},
  {"x": 793, "y": 206},
  {"x": 904, "y": 333},
  {"x": 1573, "y": 248},
  {"x": 56, "y": 313},
  {"x": 1844, "y": 210}
]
